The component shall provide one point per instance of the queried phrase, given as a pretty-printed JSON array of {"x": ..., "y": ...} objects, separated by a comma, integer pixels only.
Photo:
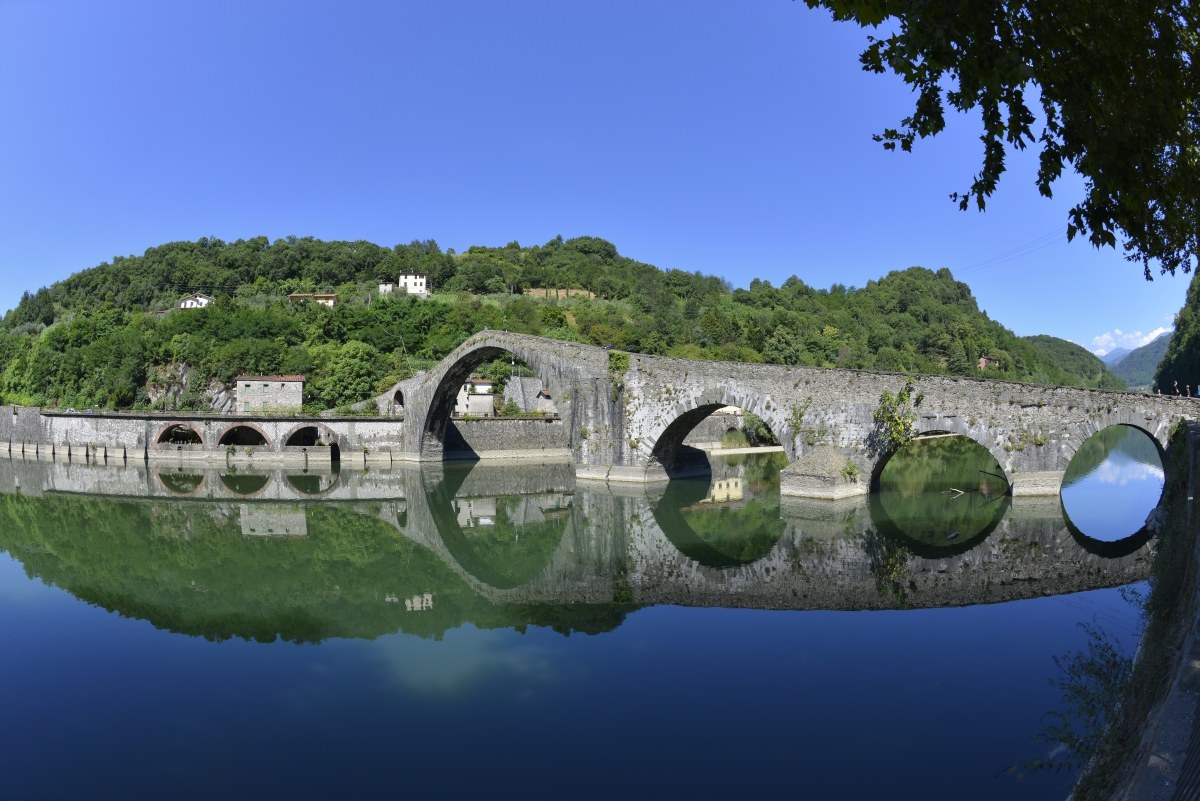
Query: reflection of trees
[
  {"x": 244, "y": 483},
  {"x": 181, "y": 483},
  {"x": 185, "y": 567},
  {"x": 888, "y": 561},
  {"x": 943, "y": 493},
  {"x": 943, "y": 463},
  {"x": 513, "y": 550},
  {"x": 726, "y": 535},
  {"x": 1133, "y": 444}
]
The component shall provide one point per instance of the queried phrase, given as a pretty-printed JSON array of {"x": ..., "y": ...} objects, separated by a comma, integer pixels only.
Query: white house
[
  {"x": 324, "y": 298},
  {"x": 386, "y": 287},
  {"x": 475, "y": 398},
  {"x": 195, "y": 302},
  {"x": 415, "y": 284}
]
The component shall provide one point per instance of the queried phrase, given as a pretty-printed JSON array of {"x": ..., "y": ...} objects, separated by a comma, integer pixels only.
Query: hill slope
[
  {"x": 1076, "y": 361},
  {"x": 111, "y": 336},
  {"x": 1114, "y": 356},
  {"x": 1137, "y": 368}
]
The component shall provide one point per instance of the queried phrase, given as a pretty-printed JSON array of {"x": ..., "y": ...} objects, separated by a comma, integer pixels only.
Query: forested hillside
[
  {"x": 1076, "y": 361},
  {"x": 112, "y": 336},
  {"x": 1180, "y": 365},
  {"x": 1138, "y": 366}
]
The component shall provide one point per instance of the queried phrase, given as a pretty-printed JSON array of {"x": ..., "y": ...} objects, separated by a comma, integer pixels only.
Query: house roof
[{"x": 270, "y": 378}]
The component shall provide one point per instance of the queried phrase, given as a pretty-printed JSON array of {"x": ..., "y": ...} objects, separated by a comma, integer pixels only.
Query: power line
[{"x": 1024, "y": 249}]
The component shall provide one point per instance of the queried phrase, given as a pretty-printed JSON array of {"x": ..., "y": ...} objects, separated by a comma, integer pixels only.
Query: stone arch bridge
[
  {"x": 626, "y": 415},
  {"x": 623, "y": 418}
]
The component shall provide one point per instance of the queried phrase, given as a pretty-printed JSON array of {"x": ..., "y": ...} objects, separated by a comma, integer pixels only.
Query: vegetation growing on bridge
[{"x": 110, "y": 337}]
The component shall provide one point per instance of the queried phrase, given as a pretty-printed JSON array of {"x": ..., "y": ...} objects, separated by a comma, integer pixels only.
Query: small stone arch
[
  {"x": 244, "y": 434},
  {"x": 315, "y": 435},
  {"x": 668, "y": 451},
  {"x": 179, "y": 434}
]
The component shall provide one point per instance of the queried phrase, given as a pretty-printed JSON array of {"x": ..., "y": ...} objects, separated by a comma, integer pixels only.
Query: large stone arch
[
  {"x": 459, "y": 366},
  {"x": 665, "y": 450}
]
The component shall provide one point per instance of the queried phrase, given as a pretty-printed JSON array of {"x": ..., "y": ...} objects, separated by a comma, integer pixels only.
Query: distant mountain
[
  {"x": 1076, "y": 361},
  {"x": 1115, "y": 355},
  {"x": 1137, "y": 369}
]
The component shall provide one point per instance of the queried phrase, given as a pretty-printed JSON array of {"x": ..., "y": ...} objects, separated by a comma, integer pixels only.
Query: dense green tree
[{"x": 1119, "y": 96}]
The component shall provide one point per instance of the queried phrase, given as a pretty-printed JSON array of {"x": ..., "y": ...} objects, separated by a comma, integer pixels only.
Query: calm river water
[{"x": 504, "y": 630}]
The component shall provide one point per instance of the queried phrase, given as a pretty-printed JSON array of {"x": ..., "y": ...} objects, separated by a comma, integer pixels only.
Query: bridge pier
[
  {"x": 826, "y": 472},
  {"x": 1037, "y": 483}
]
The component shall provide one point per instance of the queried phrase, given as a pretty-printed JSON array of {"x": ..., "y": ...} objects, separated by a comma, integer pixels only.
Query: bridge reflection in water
[{"x": 308, "y": 556}]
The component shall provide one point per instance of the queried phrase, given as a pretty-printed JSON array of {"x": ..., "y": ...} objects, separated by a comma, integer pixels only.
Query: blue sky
[{"x": 729, "y": 138}]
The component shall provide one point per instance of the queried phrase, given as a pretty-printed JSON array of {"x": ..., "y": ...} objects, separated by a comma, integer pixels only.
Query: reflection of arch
[
  {"x": 437, "y": 421},
  {"x": 925, "y": 550},
  {"x": 245, "y": 483},
  {"x": 753, "y": 545},
  {"x": 441, "y": 507},
  {"x": 179, "y": 483},
  {"x": 243, "y": 434},
  {"x": 1108, "y": 550},
  {"x": 312, "y": 483},
  {"x": 179, "y": 434}
]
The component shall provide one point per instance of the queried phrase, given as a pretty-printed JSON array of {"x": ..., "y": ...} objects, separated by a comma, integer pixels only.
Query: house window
[
  {"x": 247, "y": 406},
  {"x": 264, "y": 406}
]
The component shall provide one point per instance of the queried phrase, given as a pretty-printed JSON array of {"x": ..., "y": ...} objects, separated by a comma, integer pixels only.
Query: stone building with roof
[{"x": 264, "y": 393}]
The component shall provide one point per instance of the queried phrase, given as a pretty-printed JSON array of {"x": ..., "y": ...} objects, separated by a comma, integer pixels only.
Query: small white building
[
  {"x": 387, "y": 287},
  {"x": 325, "y": 299},
  {"x": 195, "y": 302},
  {"x": 475, "y": 399},
  {"x": 414, "y": 284}
]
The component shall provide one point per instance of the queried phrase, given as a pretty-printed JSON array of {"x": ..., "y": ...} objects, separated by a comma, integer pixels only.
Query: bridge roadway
[{"x": 624, "y": 418}]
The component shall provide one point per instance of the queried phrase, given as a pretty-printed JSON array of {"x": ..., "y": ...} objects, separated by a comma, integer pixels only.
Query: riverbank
[{"x": 1151, "y": 750}]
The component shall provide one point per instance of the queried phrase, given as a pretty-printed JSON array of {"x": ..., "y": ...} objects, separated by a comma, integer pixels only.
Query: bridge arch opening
[
  {"x": 1113, "y": 484},
  {"x": 179, "y": 434},
  {"x": 243, "y": 435},
  {"x": 684, "y": 446},
  {"x": 487, "y": 383},
  {"x": 941, "y": 493},
  {"x": 312, "y": 436}
]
